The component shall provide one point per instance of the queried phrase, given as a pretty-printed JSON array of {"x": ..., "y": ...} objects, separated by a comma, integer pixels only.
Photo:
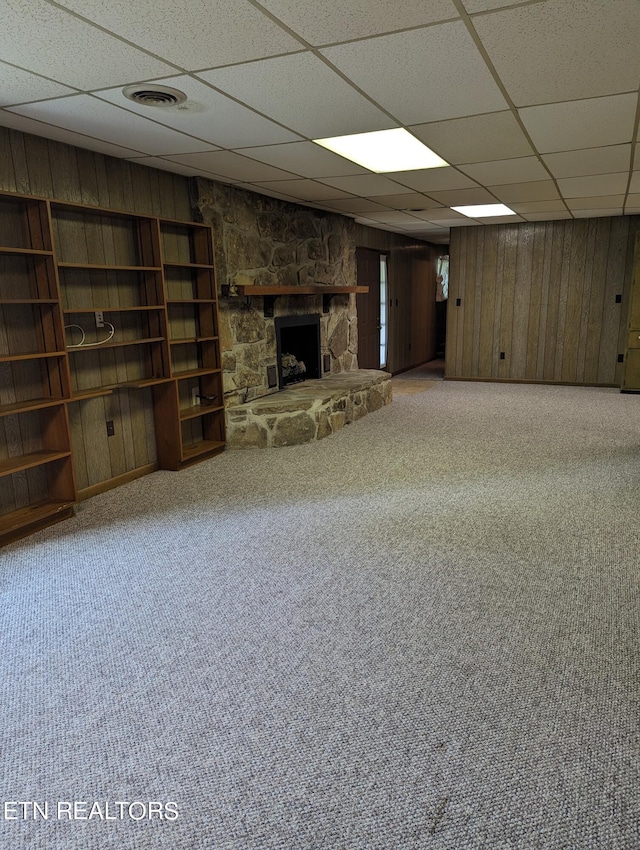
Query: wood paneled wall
[
  {"x": 38, "y": 166},
  {"x": 544, "y": 294},
  {"x": 412, "y": 288}
]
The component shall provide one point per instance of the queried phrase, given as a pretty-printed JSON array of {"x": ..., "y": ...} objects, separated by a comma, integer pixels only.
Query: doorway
[{"x": 372, "y": 309}]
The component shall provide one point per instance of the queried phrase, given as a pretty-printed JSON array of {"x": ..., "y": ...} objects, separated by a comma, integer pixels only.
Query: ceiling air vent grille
[{"x": 156, "y": 96}]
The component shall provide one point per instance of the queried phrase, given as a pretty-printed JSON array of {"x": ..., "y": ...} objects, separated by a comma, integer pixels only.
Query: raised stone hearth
[{"x": 307, "y": 411}]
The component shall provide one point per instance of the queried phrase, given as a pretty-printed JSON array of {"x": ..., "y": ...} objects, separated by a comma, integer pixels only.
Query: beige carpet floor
[{"x": 420, "y": 633}]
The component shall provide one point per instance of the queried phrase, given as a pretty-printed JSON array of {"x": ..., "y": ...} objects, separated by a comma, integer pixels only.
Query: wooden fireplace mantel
[{"x": 313, "y": 289}]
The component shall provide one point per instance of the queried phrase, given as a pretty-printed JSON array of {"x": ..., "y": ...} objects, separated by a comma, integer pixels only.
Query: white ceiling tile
[
  {"x": 564, "y": 49},
  {"x": 634, "y": 185},
  {"x": 365, "y": 185},
  {"x": 42, "y": 38},
  {"x": 485, "y": 5},
  {"x": 501, "y": 219},
  {"x": 306, "y": 159},
  {"x": 207, "y": 114},
  {"x": 633, "y": 200},
  {"x": 541, "y": 190},
  {"x": 631, "y": 210},
  {"x": 524, "y": 170},
  {"x": 591, "y": 161},
  {"x": 190, "y": 34},
  {"x": 478, "y": 138},
  {"x": 596, "y": 213},
  {"x": 67, "y": 137},
  {"x": 592, "y": 123},
  {"x": 233, "y": 166},
  {"x": 392, "y": 216},
  {"x": 430, "y": 212},
  {"x": 440, "y": 214},
  {"x": 17, "y": 86},
  {"x": 379, "y": 225},
  {"x": 546, "y": 216},
  {"x": 423, "y": 226},
  {"x": 415, "y": 76},
  {"x": 282, "y": 87},
  {"x": 600, "y": 184},
  {"x": 434, "y": 179},
  {"x": 270, "y": 193},
  {"x": 357, "y": 205},
  {"x": 335, "y": 20},
  {"x": 85, "y": 114},
  {"x": 307, "y": 190},
  {"x": 538, "y": 206},
  {"x": 459, "y": 197},
  {"x": 465, "y": 222},
  {"x": 601, "y": 201},
  {"x": 409, "y": 201},
  {"x": 166, "y": 165}
]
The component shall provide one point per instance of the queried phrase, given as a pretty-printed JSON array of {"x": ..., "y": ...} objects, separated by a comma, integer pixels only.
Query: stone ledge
[{"x": 307, "y": 411}]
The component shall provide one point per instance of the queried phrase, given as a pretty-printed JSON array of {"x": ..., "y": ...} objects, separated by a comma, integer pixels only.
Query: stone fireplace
[
  {"x": 303, "y": 258},
  {"x": 297, "y": 349},
  {"x": 262, "y": 241}
]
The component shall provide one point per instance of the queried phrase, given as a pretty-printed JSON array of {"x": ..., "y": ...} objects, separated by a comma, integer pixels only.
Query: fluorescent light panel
[
  {"x": 384, "y": 150},
  {"x": 484, "y": 210}
]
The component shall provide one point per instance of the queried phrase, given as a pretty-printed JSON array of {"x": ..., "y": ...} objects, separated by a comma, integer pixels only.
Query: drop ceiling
[{"x": 534, "y": 104}]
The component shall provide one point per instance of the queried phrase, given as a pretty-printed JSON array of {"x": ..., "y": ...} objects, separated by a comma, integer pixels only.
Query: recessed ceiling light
[
  {"x": 154, "y": 95},
  {"x": 384, "y": 150},
  {"x": 484, "y": 210}
]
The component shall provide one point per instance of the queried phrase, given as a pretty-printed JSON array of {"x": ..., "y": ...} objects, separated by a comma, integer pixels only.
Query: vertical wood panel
[
  {"x": 555, "y": 274},
  {"x": 19, "y": 161},
  {"x": 489, "y": 285},
  {"x": 65, "y": 176},
  {"x": 461, "y": 296},
  {"x": 470, "y": 300},
  {"x": 508, "y": 296},
  {"x": 517, "y": 357},
  {"x": 88, "y": 177},
  {"x": 544, "y": 299},
  {"x": 477, "y": 306},
  {"x": 495, "y": 362},
  {"x": 40, "y": 172},
  {"x": 596, "y": 298},
  {"x": 7, "y": 171},
  {"x": 562, "y": 299},
  {"x": 535, "y": 301},
  {"x": 573, "y": 314},
  {"x": 590, "y": 235}
]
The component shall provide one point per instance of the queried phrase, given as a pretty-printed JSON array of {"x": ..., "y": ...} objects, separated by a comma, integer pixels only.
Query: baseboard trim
[
  {"x": 118, "y": 481},
  {"x": 530, "y": 381}
]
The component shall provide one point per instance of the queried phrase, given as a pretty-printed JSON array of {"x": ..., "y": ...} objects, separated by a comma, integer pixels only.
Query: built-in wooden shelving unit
[{"x": 63, "y": 267}]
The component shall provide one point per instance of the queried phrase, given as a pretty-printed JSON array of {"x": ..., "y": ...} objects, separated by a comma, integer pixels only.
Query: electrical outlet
[
  {"x": 194, "y": 396},
  {"x": 99, "y": 319}
]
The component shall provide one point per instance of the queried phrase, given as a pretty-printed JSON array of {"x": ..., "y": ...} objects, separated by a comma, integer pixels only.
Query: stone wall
[
  {"x": 264, "y": 241},
  {"x": 308, "y": 411}
]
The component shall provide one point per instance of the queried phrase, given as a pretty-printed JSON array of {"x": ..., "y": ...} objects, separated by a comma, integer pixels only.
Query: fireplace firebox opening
[{"x": 298, "y": 348}]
